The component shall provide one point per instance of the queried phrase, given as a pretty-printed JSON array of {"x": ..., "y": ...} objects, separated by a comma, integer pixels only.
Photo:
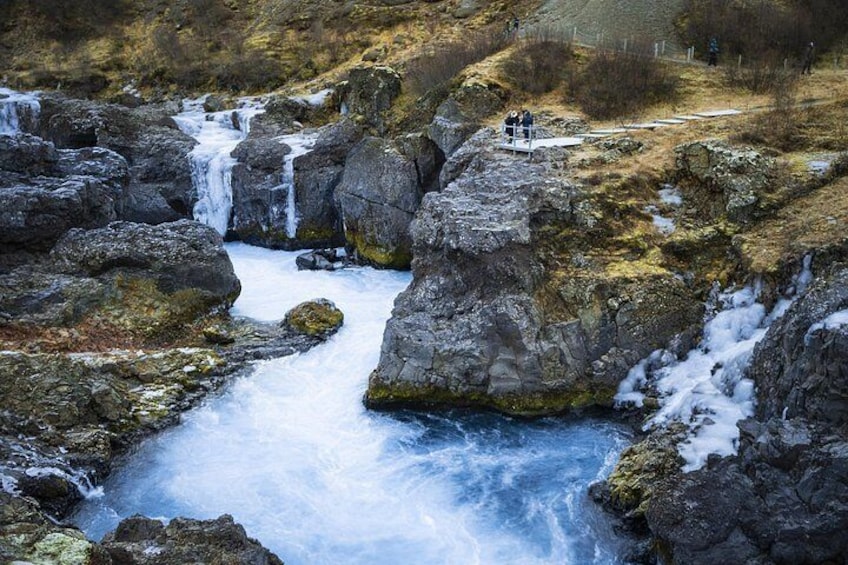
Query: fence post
[
  {"x": 625, "y": 45},
  {"x": 656, "y": 50},
  {"x": 740, "y": 62},
  {"x": 663, "y": 47},
  {"x": 574, "y": 36}
]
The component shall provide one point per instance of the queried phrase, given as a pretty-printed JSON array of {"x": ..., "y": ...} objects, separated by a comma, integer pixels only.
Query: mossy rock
[
  {"x": 642, "y": 466},
  {"x": 317, "y": 318},
  {"x": 531, "y": 404}
]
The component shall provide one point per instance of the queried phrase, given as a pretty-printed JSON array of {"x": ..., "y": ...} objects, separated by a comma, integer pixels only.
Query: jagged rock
[
  {"x": 801, "y": 366},
  {"x": 721, "y": 179},
  {"x": 485, "y": 323},
  {"x": 49, "y": 191},
  {"x": 259, "y": 204},
  {"x": 159, "y": 188},
  {"x": 317, "y": 174},
  {"x": 369, "y": 92},
  {"x": 317, "y": 318},
  {"x": 784, "y": 498},
  {"x": 143, "y": 541},
  {"x": 378, "y": 195}
]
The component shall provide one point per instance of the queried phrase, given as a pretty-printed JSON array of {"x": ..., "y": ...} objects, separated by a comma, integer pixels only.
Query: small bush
[
  {"x": 436, "y": 69},
  {"x": 780, "y": 127},
  {"x": 538, "y": 66},
  {"x": 760, "y": 78},
  {"x": 615, "y": 84}
]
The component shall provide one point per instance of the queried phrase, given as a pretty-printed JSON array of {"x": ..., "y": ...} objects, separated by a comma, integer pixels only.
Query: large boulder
[
  {"x": 177, "y": 256},
  {"x": 317, "y": 174},
  {"x": 724, "y": 180},
  {"x": 378, "y": 196},
  {"x": 489, "y": 320},
  {"x": 369, "y": 93}
]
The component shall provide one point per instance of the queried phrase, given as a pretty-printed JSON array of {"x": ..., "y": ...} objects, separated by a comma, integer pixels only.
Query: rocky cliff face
[{"x": 488, "y": 321}]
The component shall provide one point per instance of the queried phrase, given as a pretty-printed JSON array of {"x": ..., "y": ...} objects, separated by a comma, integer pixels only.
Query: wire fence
[{"x": 665, "y": 49}]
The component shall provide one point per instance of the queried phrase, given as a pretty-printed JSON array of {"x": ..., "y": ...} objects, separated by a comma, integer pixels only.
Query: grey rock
[
  {"x": 721, "y": 179},
  {"x": 317, "y": 174},
  {"x": 378, "y": 195},
  {"x": 143, "y": 541}
]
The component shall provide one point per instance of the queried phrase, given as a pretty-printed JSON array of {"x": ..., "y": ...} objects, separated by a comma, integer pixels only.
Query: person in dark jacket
[
  {"x": 511, "y": 122},
  {"x": 809, "y": 57},
  {"x": 526, "y": 123},
  {"x": 713, "y": 52}
]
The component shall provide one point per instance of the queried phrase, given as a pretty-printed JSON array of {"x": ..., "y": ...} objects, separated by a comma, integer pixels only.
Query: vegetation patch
[{"x": 617, "y": 84}]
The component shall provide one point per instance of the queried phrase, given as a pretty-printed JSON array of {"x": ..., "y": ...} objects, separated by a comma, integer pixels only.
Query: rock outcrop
[
  {"x": 46, "y": 191},
  {"x": 784, "y": 499},
  {"x": 317, "y": 174},
  {"x": 143, "y": 541},
  {"x": 378, "y": 196},
  {"x": 722, "y": 179},
  {"x": 159, "y": 188},
  {"x": 490, "y": 320}
]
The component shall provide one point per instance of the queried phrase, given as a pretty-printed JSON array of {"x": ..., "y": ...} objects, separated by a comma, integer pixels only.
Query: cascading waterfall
[
  {"x": 211, "y": 163},
  {"x": 12, "y": 105},
  {"x": 291, "y": 452},
  {"x": 300, "y": 143}
]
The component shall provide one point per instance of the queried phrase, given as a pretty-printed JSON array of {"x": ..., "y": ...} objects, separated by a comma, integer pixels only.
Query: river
[{"x": 291, "y": 452}]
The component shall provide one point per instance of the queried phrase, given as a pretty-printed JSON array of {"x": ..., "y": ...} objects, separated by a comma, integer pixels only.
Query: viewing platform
[{"x": 529, "y": 143}]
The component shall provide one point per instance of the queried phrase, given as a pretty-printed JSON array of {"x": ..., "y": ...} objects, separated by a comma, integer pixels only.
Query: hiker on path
[
  {"x": 809, "y": 57},
  {"x": 526, "y": 123},
  {"x": 713, "y": 50}
]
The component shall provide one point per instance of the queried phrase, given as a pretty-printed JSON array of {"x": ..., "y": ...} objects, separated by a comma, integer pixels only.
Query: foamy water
[{"x": 292, "y": 454}]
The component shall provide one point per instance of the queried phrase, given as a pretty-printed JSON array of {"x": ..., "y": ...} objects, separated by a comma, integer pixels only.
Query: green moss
[
  {"x": 398, "y": 257},
  {"x": 60, "y": 548},
  {"x": 532, "y": 404},
  {"x": 315, "y": 318}
]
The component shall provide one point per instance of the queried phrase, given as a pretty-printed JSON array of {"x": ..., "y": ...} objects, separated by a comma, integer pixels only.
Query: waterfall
[
  {"x": 300, "y": 144},
  {"x": 13, "y": 105},
  {"x": 211, "y": 163}
]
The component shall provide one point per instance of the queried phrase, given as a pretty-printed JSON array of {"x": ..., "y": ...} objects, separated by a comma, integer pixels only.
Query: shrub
[
  {"x": 616, "y": 84},
  {"x": 760, "y": 77},
  {"x": 538, "y": 66},
  {"x": 436, "y": 69}
]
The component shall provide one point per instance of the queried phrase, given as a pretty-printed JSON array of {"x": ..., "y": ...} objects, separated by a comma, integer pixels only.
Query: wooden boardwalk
[{"x": 521, "y": 145}]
